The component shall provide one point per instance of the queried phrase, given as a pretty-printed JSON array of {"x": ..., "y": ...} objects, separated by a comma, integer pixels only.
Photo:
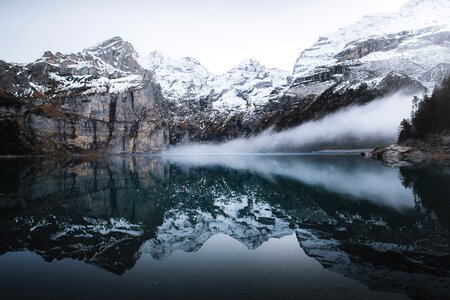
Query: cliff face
[{"x": 96, "y": 101}]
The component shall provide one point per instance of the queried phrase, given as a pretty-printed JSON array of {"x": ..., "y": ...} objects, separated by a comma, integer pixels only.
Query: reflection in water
[
  {"x": 141, "y": 217},
  {"x": 344, "y": 174}
]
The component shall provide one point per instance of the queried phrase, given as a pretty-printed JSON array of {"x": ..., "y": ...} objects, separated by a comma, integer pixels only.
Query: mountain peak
[
  {"x": 157, "y": 55},
  {"x": 116, "y": 52},
  {"x": 191, "y": 60},
  {"x": 413, "y": 18},
  {"x": 250, "y": 61},
  {"x": 113, "y": 42},
  {"x": 250, "y": 64}
]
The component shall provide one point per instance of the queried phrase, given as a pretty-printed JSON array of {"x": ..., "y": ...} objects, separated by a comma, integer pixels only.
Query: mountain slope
[
  {"x": 407, "y": 49},
  {"x": 412, "y": 40},
  {"x": 97, "y": 100},
  {"x": 185, "y": 80}
]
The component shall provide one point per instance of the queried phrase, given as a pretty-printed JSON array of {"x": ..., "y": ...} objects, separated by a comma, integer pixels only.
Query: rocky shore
[{"x": 432, "y": 148}]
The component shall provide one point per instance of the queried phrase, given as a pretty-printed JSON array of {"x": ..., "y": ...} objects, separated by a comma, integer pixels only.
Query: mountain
[
  {"x": 181, "y": 80},
  {"x": 376, "y": 56},
  {"x": 412, "y": 40},
  {"x": 245, "y": 86},
  {"x": 411, "y": 44},
  {"x": 107, "y": 98},
  {"x": 96, "y": 100},
  {"x": 205, "y": 106}
]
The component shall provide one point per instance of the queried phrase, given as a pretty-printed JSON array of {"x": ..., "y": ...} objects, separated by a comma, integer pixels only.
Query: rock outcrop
[
  {"x": 432, "y": 148},
  {"x": 96, "y": 101}
]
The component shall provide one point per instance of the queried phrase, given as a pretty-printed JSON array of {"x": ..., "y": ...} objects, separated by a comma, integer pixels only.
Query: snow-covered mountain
[
  {"x": 185, "y": 80},
  {"x": 413, "y": 40},
  {"x": 206, "y": 106},
  {"x": 110, "y": 66},
  {"x": 378, "y": 55},
  {"x": 246, "y": 86},
  {"x": 99, "y": 99},
  {"x": 181, "y": 80}
]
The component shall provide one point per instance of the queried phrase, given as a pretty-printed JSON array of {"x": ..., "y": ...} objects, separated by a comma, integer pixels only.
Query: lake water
[{"x": 322, "y": 226}]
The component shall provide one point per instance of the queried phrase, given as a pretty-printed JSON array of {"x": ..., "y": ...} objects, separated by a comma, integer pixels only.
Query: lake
[{"x": 310, "y": 226}]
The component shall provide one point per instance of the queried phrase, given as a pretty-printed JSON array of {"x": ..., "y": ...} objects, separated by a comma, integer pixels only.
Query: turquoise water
[{"x": 328, "y": 225}]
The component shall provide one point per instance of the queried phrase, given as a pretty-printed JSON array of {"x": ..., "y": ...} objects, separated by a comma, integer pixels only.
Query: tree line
[{"x": 431, "y": 114}]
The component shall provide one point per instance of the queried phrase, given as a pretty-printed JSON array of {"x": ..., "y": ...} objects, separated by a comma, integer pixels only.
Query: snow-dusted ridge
[
  {"x": 412, "y": 40},
  {"x": 415, "y": 40},
  {"x": 245, "y": 86},
  {"x": 108, "y": 67},
  {"x": 250, "y": 222}
]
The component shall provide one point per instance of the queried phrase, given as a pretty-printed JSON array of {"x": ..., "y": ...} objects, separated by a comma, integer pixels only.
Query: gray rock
[{"x": 95, "y": 102}]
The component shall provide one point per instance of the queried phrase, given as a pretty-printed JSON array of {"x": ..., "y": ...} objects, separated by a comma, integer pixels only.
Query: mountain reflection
[{"x": 355, "y": 216}]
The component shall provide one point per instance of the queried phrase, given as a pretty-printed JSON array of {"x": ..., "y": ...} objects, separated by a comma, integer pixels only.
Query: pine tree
[
  {"x": 405, "y": 131},
  {"x": 431, "y": 114}
]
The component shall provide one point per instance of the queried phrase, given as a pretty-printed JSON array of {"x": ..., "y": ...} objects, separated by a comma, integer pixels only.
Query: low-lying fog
[{"x": 375, "y": 122}]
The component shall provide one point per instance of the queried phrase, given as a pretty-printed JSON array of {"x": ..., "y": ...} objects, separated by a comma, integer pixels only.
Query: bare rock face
[{"x": 96, "y": 101}]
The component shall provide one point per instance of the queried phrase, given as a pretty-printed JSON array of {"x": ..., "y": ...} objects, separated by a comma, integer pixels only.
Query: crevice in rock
[
  {"x": 112, "y": 118},
  {"x": 94, "y": 128}
]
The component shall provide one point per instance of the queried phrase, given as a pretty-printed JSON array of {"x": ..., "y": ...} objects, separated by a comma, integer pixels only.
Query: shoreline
[
  {"x": 434, "y": 148},
  {"x": 323, "y": 152}
]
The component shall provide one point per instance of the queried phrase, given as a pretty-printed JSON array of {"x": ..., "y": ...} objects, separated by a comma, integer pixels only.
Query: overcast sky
[{"x": 219, "y": 33}]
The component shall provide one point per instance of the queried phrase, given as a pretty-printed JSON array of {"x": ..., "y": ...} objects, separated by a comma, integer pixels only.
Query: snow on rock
[
  {"x": 180, "y": 79},
  {"x": 246, "y": 86},
  {"x": 412, "y": 40},
  {"x": 121, "y": 85},
  {"x": 185, "y": 80},
  {"x": 108, "y": 67},
  {"x": 117, "y": 53},
  {"x": 244, "y": 218}
]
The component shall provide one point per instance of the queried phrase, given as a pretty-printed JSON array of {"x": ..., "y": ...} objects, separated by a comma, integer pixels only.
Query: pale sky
[{"x": 219, "y": 33}]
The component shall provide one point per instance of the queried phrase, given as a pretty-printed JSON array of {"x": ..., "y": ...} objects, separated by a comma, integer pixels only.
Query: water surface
[{"x": 230, "y": 227}]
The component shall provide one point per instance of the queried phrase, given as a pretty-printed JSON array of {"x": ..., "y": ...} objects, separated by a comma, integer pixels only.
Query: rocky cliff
[{"x": 99, "y": 100}]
